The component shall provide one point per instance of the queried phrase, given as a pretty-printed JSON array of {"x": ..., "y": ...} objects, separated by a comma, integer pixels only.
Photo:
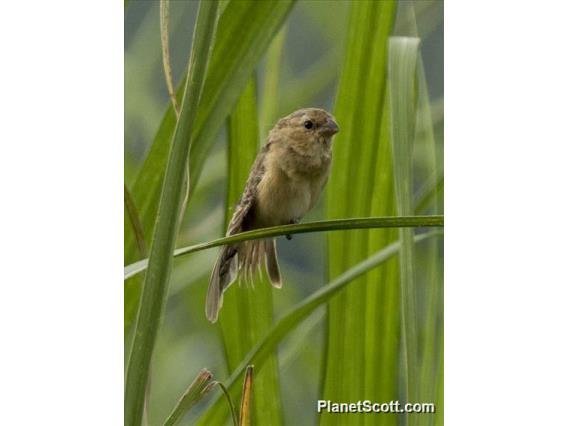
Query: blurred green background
[{"x": 315, "y": 35}]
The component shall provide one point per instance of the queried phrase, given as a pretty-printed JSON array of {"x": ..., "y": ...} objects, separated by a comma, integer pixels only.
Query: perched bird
[{"x": 284, "y": 183}]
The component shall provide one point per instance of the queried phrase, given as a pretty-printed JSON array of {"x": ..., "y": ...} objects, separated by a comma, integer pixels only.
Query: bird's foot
[{"x": 292, "y": 222}]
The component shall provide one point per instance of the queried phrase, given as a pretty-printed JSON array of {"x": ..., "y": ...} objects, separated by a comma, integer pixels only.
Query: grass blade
[
  {"x": 234, "y": 57},
  {"x": 301, "y": 228},
  {"x": 432, "y": 322},
  {"x": 160, "y": 261},
  {"x": 230, "y": 402},
  {"x": 429, "y": 298},
  {"x": 403, "y": 54},
  {"x": 164, "y": 38},
  {"x": 362, "y": 337},
  {"x": 198, "y": 388},
  {"x": 302, "y": 310},
  {"x": 245, "y": 412}
]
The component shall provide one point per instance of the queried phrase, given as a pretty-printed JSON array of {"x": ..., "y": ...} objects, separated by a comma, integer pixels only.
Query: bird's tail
[
  {"x": 272, "y": 263},
  {"x": 245, "y": 258}
]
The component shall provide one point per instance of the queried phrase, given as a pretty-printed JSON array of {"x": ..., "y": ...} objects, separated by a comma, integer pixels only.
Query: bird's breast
[
  {"x": 290, "y": 185},
  {"x": 282, "y": 199}
]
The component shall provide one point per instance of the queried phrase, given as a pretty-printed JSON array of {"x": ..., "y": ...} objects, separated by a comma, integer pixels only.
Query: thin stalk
[
  {"x": 164, "y": 38},
  {"x": 185, "y": 201},
  {"x": 230, "y": 402},
  {"x": 302, "y": 228},
  {"x": 168, "y": 75},
  {"x": 246, "y": 399},
  {"x": 160, "y": 262}
]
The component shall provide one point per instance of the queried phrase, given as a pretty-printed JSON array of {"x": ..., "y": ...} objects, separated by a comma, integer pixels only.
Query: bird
[{"x": 284, "y": 183}]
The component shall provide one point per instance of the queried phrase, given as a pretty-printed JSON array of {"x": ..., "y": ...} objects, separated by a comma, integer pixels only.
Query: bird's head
[{"x": 310, "y": 125}]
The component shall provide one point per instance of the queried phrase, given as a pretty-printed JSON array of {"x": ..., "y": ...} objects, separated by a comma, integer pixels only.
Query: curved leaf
[{"x": 302, "y": 228}]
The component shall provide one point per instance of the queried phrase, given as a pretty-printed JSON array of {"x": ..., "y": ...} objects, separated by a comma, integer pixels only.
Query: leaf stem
[
  {"x": 302, "y": 228},
  {"x": 230, "y": 401}
]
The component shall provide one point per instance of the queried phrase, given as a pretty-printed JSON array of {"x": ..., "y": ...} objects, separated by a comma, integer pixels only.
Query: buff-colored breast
[{"x": 289, "y": 188}]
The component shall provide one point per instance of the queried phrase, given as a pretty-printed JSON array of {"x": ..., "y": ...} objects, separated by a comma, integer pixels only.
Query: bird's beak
[{"x": 330, "y": 128}]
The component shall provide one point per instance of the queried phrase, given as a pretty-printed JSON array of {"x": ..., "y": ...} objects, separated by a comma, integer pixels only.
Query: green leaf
[
  {"x": 301, "y": 228},
  {"x": 431, "y": 301},
  {"x": 285, "y": 325},
  {"x": 198, "y": 388},
  {"x": 363, "y": 326},
  {"x": 160, "y": 262},
  {"x": 403, "y": 54},
  {"x": 235, "y": 55},
  {"x": 245, "y": 411},
  {"x": 230, "y": 403}
]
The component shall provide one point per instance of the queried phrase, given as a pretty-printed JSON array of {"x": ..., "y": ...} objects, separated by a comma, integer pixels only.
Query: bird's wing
[{"x": 249, "y": 194}]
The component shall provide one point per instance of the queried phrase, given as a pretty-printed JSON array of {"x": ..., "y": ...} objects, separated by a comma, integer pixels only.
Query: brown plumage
[{"x": 285, "y": 182}]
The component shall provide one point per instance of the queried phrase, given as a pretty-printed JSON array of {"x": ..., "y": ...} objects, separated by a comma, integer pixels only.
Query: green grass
[
  {"x": 375, "y": 328},
  {"x": 155, "y": 288},
  {"x": 363, "y": 334},
  {"x": 327, "y": 225},
  {"x": 403, "y": 54}
]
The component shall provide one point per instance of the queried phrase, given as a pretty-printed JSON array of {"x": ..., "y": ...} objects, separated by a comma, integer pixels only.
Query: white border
[
  {"x": 61, "y": 161},
  {"x": 506, "y": 206}
]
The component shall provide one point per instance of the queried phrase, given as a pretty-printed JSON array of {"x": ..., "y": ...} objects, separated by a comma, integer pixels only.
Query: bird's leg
[{"x": 292, "y": 222}]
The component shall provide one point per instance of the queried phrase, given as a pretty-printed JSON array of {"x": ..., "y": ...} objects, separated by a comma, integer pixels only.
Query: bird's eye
[{"x": 308, "y": 124}]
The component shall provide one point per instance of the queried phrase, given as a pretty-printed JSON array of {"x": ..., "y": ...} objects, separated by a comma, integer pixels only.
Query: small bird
[{"x": 284, "y": 183}]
